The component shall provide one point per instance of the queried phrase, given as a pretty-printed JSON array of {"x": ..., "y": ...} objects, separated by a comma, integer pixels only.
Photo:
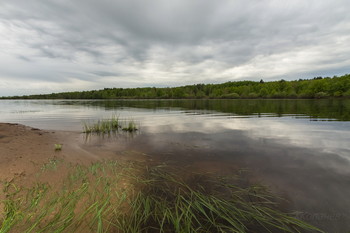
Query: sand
[{"x": 23, "y": 150}]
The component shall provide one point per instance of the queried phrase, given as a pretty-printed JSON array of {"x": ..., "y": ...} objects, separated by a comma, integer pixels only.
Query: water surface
[{"x": 300, "y": 148}]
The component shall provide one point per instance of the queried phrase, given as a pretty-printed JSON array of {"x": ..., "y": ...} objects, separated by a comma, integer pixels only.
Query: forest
[{"x": 316, "y": 88}]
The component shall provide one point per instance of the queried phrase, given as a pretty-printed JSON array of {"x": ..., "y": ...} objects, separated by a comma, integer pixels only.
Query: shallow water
[{"x": 300, "y": 148}]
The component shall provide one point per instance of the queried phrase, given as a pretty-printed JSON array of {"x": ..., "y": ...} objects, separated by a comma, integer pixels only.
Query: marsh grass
[
  {"x": 129, "y": 197},
  {"x": 108, "y": 126}
]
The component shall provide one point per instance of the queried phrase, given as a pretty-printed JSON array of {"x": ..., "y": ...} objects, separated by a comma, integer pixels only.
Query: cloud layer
[{"x": 61, "y": 45}]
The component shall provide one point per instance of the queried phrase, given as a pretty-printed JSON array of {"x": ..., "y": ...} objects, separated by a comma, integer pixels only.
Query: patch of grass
[
  {"x": 130, "y": 127},
  {"x": 102, "y": 126},
  {"x": 58, "y": 147},
  {"x": 86, "y": 201},
  {"x": 169, "y": 204},
  {"x": 51, "y": 164},
  {"x": 108, "y": 126},
  {"x": 127, "y": 197}
]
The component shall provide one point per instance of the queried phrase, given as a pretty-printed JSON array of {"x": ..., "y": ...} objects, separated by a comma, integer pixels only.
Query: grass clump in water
[
  {"x": 123, "y": 197},
  {"x": 130, "y": 127},
  {"x": 102, "y": 126},
  {"x": 112, "y": 125}
]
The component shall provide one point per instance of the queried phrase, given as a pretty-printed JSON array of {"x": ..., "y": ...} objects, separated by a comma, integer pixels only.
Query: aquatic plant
[
  {"x": 130, "y": 127},
  {"x": 102, "y": 126},
  {"x": 124, "y": 197},
  {"x": 168, "y": 203},
  {"x": 112, "y": 125}
]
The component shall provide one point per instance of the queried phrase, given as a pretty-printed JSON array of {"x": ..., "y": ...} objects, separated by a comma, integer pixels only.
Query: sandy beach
[{"x": 23, "y": 150}]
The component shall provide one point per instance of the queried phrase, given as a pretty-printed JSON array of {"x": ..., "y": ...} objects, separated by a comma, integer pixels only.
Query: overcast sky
[{"x": 63, "y": 45}]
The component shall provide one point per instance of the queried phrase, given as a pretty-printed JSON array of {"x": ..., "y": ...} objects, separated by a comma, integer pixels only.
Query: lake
[{"x": 299, "y": 148}]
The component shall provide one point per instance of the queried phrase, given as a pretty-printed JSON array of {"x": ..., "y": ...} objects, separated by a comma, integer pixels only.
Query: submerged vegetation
[
  {"x": 112, "y": 125},
  {"x": 317, "y": 88},
  {"x": 127, "y": 197},
  {"x": 201, "y": 203}
]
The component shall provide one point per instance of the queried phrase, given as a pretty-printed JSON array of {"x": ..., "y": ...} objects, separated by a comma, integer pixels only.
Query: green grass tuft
[
  {"x": 130, "y": 127},
  {"x": 51, "y": 164},
  {"x": 58, "y": 147},
  {"x": 108, "y": 126},
  {"x": 102, "y": 126}
]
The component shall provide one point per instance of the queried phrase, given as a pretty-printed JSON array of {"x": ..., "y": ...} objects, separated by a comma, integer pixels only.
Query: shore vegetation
[{"x": 316, "y": 88}]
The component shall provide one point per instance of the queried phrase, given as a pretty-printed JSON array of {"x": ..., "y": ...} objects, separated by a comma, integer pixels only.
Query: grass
[
  {"x": 51, "y": 164},
  {"x": 58, "y": 147},
  {"x": 86, "y": 199},
  {"x": 112, "y": 125},
  {"x": 102, "y": 126},
  {"x": 130, "y": 126},
  {"x": 168, "y": 203},
  {"x": 124, "y": 197}
]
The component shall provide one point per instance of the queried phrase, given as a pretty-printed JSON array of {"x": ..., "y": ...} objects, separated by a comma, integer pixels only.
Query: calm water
[{"x": 300, "y": 148}]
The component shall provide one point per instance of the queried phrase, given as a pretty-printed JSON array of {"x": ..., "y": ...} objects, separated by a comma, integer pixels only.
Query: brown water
[{"x": 300, "y": 148}]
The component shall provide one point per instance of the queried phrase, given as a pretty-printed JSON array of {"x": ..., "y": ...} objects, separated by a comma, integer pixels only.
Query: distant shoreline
[
  {"x": 317, "y": 88},
  {"x": 324, "y": 98}
]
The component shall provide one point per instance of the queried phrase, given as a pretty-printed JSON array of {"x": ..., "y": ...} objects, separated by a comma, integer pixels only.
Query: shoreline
[
  {"x": 204, "y": 98},
  {"x": 24, "y": 149},
  {"x": 26, "y": 153}
]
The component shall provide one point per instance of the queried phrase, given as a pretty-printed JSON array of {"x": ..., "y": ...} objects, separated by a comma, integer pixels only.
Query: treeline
[{"x": 317, "y": 87}]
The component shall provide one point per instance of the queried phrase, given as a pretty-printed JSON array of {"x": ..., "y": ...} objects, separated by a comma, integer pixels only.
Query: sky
[{"x": 63, "y": 45}]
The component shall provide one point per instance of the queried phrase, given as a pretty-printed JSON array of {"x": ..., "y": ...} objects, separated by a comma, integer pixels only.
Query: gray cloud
[{"x": 95, "y": 44}]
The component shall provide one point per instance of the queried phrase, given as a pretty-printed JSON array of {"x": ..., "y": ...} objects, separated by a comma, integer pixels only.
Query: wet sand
[{"x": 23, "y": 150}]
